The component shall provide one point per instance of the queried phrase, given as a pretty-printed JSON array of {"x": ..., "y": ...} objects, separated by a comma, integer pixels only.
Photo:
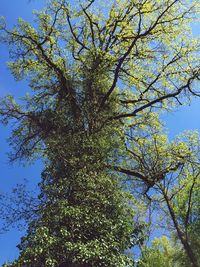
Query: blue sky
[
  {"x": 13, "y": 174},
  {"x": 184, "y": 118}
]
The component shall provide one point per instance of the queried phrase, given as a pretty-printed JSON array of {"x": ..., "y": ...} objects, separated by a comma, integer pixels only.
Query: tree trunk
[{"x": 181, "y": 235}]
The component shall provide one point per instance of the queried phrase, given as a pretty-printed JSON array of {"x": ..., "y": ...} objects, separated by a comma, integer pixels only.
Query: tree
[
  {"x": 83, "y": 218},
  {"x": 91, "y": 72},
  {"x": 170, "y": 172},
  {"x": 183, "y": 201},
  {"x": 161, "y": 253}
]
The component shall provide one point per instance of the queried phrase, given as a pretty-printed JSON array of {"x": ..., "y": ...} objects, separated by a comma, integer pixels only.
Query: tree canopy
[{"x": 101, "y": 75}]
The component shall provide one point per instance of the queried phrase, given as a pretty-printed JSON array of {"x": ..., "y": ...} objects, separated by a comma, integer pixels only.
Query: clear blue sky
[
  {"x": 11, "y": 175},
  {"x": 184, "y": 118}
]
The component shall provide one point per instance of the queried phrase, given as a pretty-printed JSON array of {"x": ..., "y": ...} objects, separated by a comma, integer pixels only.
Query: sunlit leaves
[{"x": 98, "y": 74}]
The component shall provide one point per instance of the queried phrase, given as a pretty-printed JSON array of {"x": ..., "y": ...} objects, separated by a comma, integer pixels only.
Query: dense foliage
[{"x": 100, "y": 76}]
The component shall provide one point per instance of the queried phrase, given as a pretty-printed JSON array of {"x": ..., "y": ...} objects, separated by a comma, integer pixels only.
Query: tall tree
[{"x": 92, "y": 70}]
